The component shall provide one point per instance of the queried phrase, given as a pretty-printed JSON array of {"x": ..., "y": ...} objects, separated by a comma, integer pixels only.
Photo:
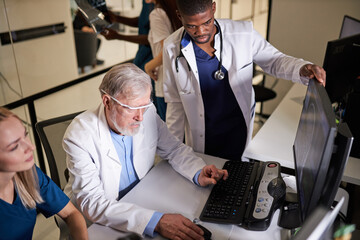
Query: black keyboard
[
  {"x": 239, "y": 200},
  {"x": 227, "y": 197}
]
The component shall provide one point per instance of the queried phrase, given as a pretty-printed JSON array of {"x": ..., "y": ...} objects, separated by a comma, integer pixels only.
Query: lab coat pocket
[
  {"x": 243, "y": 80},
  {"x": 185, "y": 86},
  {"x": 244, "y": 74},
  {"x": 246, "y": 66}
]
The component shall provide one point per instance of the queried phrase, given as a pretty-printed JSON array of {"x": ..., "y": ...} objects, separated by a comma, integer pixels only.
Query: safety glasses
[{"x": 127, "y": 107}]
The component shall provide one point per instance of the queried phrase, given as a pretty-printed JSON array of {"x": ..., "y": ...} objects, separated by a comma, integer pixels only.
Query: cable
[{"x": 8, "y": 84}]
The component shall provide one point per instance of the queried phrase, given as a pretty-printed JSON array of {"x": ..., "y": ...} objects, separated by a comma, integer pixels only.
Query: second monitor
[{"x": 321, "y": 150}]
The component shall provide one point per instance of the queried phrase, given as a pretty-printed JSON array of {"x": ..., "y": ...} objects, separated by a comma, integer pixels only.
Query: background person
[
  {"x": 111, "y": 148},
  {"x": 163, "y": 22},
  {"x": 143, "y": 54},
  {"x": 80, "y": 23},
  {"x": 217, "y": 115},
  {"x": 25, "y": 189}
]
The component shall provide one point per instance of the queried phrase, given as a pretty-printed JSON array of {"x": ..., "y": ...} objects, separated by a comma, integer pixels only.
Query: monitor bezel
[
  {"x": 343, "y": 25},
  {"x": 342, "y": 146}
]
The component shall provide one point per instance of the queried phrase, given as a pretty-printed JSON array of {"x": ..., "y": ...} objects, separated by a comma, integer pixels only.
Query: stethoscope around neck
[{"x": 219, "y": 74}]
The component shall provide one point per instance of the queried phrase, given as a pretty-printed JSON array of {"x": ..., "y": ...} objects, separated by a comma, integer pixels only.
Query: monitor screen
[
  {"x": 350, "y": 26},
  {"x": 313, "y": 146},
  {"x": 93, "y": 12},
  {"x": 342, "y": 66}
]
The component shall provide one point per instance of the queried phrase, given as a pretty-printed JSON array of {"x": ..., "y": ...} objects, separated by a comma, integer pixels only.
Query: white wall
[
  {"x": 41, "y": 63},
  {"x": 303, "y": 28}
]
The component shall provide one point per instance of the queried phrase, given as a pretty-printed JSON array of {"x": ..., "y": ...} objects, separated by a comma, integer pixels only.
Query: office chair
[
  {"x": 262, "y": 93},
  {"x": 51, "y": 134}
]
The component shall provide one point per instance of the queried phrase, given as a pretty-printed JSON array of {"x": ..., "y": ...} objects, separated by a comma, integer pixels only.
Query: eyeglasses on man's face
[{"x": 129, "y": 109}]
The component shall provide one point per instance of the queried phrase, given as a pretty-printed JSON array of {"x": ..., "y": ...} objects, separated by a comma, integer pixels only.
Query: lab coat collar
[
  {"x": 137, "y": 142},
  {"x": 104, "y": 134},
  {"x": 217, "y": 42}
]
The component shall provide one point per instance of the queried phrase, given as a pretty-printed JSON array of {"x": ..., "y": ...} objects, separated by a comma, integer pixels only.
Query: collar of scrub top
[{"x": 186, "y": 39}]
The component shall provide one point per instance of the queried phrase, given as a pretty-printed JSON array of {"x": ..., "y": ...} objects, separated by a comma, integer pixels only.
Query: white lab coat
[
  {"x": 242, "y": 46},
  {"x": 95, "y": 167}
]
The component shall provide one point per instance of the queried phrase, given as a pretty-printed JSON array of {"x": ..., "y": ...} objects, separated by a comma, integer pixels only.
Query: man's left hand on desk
[{"x": 211, "y": 175}]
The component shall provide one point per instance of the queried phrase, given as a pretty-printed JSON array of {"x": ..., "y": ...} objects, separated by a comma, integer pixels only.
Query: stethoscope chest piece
[{"x": 219, "y": 75}]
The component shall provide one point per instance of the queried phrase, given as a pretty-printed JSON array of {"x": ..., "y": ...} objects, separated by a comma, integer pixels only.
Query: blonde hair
[{"x": 26, "y": 182}]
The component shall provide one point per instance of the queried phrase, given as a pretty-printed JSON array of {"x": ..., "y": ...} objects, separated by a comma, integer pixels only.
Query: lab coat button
[
  {"x": 201, "y": 135},
  {"x": 201, "y": 115}
]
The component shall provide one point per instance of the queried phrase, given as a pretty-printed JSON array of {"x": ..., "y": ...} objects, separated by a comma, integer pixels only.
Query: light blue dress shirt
[{"x": 123, "y": 146}]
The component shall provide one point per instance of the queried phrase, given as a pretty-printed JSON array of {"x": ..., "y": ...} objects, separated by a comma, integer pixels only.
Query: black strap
[{"x": 123, "y": 192}]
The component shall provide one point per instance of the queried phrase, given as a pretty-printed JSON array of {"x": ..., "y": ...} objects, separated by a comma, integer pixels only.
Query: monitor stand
[{"x": 290, "y": 217}]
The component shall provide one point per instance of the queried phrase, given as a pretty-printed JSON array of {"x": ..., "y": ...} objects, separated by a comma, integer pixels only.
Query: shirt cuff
[
  {"x": 150, "y": 227},
  {"x": 305, "y": 80},
  {"x": 196, "y": 177}
]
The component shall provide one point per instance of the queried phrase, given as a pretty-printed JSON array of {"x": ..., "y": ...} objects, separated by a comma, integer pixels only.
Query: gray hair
[{"x": 127, "y": 80}]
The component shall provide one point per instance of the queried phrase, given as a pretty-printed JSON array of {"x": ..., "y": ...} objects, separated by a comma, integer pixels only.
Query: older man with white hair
[{"x": 111, "y": 148}]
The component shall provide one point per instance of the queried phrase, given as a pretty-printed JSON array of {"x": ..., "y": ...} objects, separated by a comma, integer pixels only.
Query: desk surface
[
  {"x": 275, "y": 139},
  {"x": 166, "y": 191}
]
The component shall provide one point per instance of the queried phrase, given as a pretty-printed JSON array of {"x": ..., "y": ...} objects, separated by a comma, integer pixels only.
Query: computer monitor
[
  {"x": 321, "y": 150},
  {"x": 342, "y": 66},
  {"x": 350, "y": 26},
  {"x": 99, "y": 4},
  {"x": 342, "y": 146},
  {"x": 93, "y": 11},
  {"x": 319, "y": 224},
  {"x": 313, "y": 147}
]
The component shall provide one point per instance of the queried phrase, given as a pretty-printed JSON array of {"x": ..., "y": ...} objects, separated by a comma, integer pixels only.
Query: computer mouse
[
  {"x": 207, "y": 233},
  {"x": 277, "y": 188}
]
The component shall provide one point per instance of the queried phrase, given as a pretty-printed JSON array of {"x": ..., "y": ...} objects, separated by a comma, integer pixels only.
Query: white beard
[{"x": 123, "y": 131}]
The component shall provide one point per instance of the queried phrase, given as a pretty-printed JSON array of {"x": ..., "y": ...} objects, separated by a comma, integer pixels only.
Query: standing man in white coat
[
  {"x": 208, "y": 70},
  {"x": 111, "y": 148}
]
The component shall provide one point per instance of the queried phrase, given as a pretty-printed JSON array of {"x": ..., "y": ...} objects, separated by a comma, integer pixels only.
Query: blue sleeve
[
  {"x": 54, "y": 198},
  {"x": 150, "y": 227},
  {"x": 196, "y": 177}
]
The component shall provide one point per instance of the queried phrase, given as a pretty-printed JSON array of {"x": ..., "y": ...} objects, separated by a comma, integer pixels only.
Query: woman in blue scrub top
[{"x": 25, "y": 189}]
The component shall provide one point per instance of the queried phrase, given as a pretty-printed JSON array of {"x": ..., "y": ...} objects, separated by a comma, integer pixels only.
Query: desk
[
  {"x": 166, "y": 191},
  {"x": 275, "y": 139}
]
